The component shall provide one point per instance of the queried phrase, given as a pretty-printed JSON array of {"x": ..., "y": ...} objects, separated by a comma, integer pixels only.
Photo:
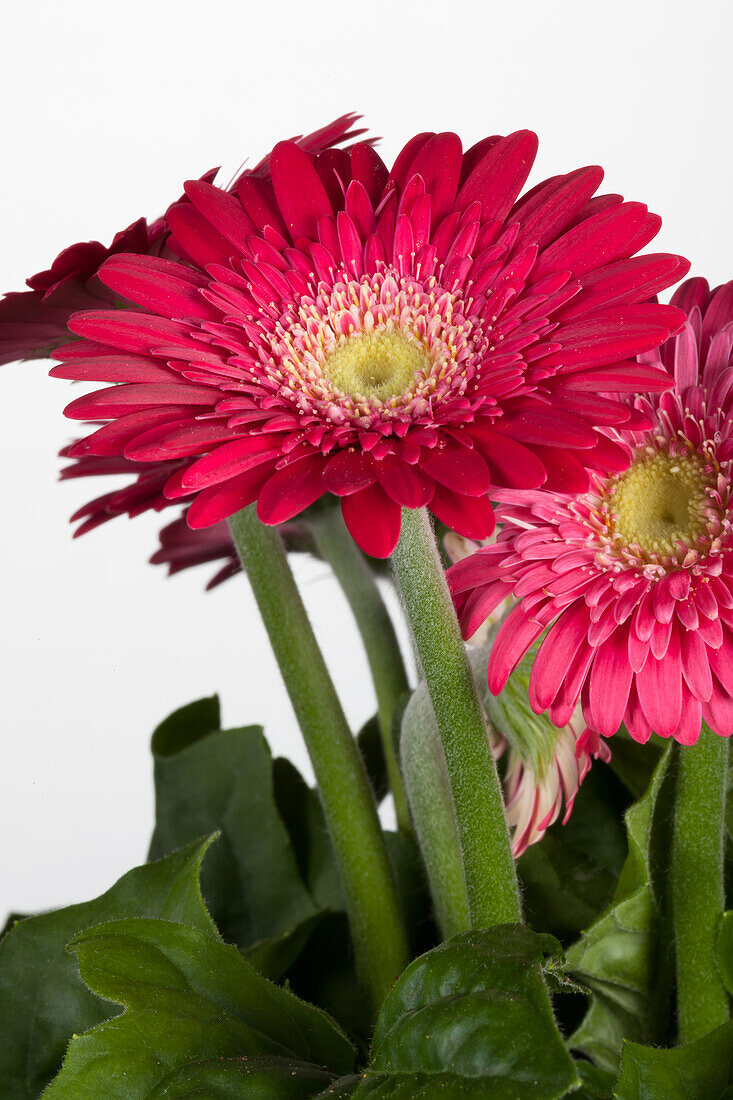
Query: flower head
[
  {"x": 633, "y": 579},
  {"x": 400, "y": 337}
]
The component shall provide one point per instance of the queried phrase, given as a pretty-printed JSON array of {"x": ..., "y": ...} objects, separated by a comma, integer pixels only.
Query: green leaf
[
  {"x": 189, "y": 998},
  {"x": 633, "y": 762},
  {"x": 233, "y": 1078},
  {"x": 699, "y": 1071},
  {"x": 563, "y": 890},
  {"x": 725, "y": 951},
  {"x": 42, "y": 998},
  {"x": 597, "y": 1083},
  {"x": 621, "y": 957},
  {"x": 207, "y": 779},
  {"x": 302, "y": 814},
  {"x": 472, "y": 1018}
]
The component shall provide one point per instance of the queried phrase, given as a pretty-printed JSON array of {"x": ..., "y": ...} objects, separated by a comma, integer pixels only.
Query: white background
[{"x": 107, "y": 108}]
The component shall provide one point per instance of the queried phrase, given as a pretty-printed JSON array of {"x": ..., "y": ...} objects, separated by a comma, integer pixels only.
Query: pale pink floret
[
  {"x": 534, "y": 799},
  {"x": 640, "y": 636}
]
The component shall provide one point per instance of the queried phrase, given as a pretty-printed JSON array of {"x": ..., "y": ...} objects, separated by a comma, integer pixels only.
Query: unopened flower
[
  {"x": 632, "y": 580},
  {"x": 543, "y": 765},
  {"x": 400, "y": 337}
]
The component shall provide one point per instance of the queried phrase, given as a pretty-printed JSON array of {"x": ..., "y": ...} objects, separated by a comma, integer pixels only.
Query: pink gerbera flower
[
  {"x": 400, "y": 337},
  {"x": 633, "y": 580}
]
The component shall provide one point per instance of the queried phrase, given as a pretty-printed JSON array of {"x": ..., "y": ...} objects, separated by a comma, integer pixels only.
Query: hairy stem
[
  {"x": 374, "y": 913},
  {"x": 491, "y": 879},
  {"x": 377, "y": 633},
  {"x": 697, "y": 883}
]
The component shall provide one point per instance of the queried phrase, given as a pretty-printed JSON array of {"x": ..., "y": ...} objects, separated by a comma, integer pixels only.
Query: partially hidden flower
[
  {"x": 180, "y": 546},
  {"x": 632, "y": 581},
  {"x": 34, "y": 322},
  {"x": 397, "y": 337},
  {"x": 543, "y": 765}
]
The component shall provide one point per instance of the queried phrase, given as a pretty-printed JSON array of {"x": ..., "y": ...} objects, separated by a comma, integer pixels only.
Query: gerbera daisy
[
  {"x": 33, "y": 323},
  {"x": 632, "y": 580},
  {"x": 400, "y": 337}
]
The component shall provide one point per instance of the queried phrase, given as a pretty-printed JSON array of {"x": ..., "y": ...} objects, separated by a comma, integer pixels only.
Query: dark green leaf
[
  {"x": 698, "y": 1071},
  {"x": 563, "y": 889},
  {"x": 42, "y": 998},
  {"x": 208, "y": 779},
  {"x": 725, "y": 951},
  {"x": 597, "y": 1083},
  {"x": 234, "y": 1078},
  {"x": 472, "y": 1018},
  {"x": 620, "y": 958},
  {"x": 189, "y": 998},
  {"x": 301, "y": 812},
  {"x": 634, "y": 763}
]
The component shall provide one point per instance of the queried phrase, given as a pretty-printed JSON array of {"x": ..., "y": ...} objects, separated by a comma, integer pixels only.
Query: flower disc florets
[
  {"x": 400, "y": 337},
  {"x": 374, "y": 353},
  {"x": 634, "y": 578}
]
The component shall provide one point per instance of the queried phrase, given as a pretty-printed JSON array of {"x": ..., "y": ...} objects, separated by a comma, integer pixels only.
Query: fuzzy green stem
[
  {"x": 380, "y": 944},
  {"x": 697, "y": 883},
  {"x": 433, "y": 813},
  {"x": 487, "y": 859},
  {"x": 377, "y": 633}
]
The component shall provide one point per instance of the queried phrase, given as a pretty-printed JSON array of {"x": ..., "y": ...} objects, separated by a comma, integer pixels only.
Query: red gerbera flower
[
  {"x": 634, "y": 579},
  {"x": 33, "y": 323},
  {"x": 398, "y": 338}
]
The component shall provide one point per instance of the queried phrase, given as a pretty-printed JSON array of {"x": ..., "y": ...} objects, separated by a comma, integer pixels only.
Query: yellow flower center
[
  {"x": 660, "y": 501},
  {"x": 376, "y": 365}
]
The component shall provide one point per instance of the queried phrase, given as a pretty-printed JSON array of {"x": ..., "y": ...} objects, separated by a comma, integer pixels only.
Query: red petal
[
  {"x": 161, "y": 286},
  {"x": 213, "y": 505},
  {"x": 459, "y": 468},
  {"x": 439, "y": 163},
  {"x": 370, "y": 170},
  {"x": 118, "y": 400},
  {"x": 301, "y": 196},
  {"x": 231, "y": 459},
  {"x": 126, "y": 330},
  {"x": 472, "y": 517},
  {"x": 348, "y": 472},
  {"x": 193, "y": 237},
  {"x": 597, "y": 241},
  {"x": 500, "y": 175},
  {"x": 373, "y": 519},
  {"x": 404, "y": 483},
  {"x": 223, "y": 211},
  {"x": 291, "y": 489},
  {"x": 511, "y": 465}
]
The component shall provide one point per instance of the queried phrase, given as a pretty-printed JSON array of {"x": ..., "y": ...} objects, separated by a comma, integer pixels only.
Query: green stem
[
  {"x": 377, "y": 930},
  {"x": 697, "y": 883},
  {"x": 377, "y": 633},
  {"x": 433, "y": 813},
  {"x": 487, "y": 859}
]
